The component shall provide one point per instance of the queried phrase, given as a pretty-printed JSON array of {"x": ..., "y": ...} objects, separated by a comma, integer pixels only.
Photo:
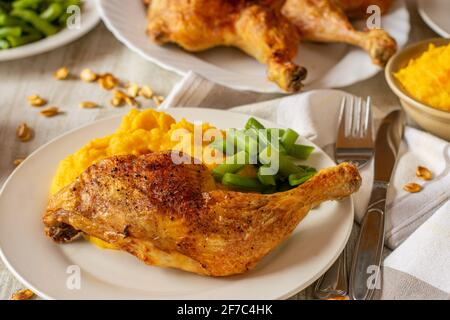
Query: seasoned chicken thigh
[
  {"x": 176, "y": 216},
  {"x": 255, "y": 26}
]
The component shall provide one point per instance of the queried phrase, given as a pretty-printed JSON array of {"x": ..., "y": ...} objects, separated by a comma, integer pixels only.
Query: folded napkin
[{"x": 314, "y": 114}]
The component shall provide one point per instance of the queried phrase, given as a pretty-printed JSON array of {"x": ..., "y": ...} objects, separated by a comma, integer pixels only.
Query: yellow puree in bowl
[
  {"x": 427, "y": 78},
  {"x": 140, "y": 132}
]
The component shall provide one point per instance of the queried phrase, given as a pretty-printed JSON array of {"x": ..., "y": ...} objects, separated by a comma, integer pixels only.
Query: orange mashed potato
[
  {"x": 140, "y": 132},
  {"x": 427, "y": 78}
]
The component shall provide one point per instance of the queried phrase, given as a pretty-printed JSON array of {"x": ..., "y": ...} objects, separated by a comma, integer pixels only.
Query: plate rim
[
  {"x": 274, "y": 89},
  {"x": 60, "y": 39},
  {"x": 429, "y": 21},
  {"x": 28, "y": 283}
]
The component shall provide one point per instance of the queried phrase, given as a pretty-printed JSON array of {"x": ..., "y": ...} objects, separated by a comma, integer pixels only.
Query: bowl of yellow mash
[{"x": 420, "y": 76}]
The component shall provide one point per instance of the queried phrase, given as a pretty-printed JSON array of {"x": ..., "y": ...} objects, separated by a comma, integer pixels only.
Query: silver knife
[{"x": 365, "y": 275}]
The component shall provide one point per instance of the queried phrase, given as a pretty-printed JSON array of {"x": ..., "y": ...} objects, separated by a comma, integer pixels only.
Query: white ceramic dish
[
  {"x": 435, "y": 13},
  {"x": 329, "y": 66},
  {"x": 89, "y": 19},
  {"x": 105, "y": 274}
]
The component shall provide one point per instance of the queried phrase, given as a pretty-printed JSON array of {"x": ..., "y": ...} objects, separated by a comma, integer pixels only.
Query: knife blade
[{"x": 365, "y": 271}]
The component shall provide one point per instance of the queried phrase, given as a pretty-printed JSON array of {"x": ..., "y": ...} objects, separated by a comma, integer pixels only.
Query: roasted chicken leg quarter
[
  {"x": 257, "y": 27},
  {"x": 176, "y": 216}
]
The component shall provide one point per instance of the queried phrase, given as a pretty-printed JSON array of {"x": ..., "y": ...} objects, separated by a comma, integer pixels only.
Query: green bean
[
  {"x": 300, "y": 151},
  {"x": 231, "y": 165},
  {"x": 53, "y": 12},
  {"x": 223, "y": 145},
  {"x": 297, "y": 179},
  {"x": 62, "y": 20},
  {"x": 8, "y": 21},
  {"x": 289, "y": 138},
  {"x": 26, "y": 4},
  {"x": 31, "y": 17},
  {"x": 266, "y": 139},
  {"x": 309, "y": 169},
  {"x": 10, "y": 31},
  {"x": 280, "y": 131},
  {"x": 20, "y": 41},
  {"x": 4, "y": 44},
  {"x": 252, "y": 123},
  {"x": 285, "y": 165},
  {"x": 267, "y": 180},
  {"x": 246, "y": 142},
  {"x": 240, "y": 182}
]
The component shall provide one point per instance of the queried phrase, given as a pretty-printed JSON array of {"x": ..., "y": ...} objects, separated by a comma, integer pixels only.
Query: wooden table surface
[{"x": 101, "y": 52}]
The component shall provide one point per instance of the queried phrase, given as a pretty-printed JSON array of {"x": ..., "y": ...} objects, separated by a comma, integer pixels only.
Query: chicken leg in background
[
  {"x": 325, "y": 21},
  {"x": 176, "y": 216},
  {"x": 255, "y": 26}
]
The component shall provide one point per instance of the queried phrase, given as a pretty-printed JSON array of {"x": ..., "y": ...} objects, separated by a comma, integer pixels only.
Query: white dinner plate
[
  {"x": 42, "y": 265},
  {"x": 329, "y": 65},
  {"x": 436, "y": 13},
  {"x": 89, "y": 19}
]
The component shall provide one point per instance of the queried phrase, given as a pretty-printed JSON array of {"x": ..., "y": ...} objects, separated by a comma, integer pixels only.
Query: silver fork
[{"x": 355, "y": 145}]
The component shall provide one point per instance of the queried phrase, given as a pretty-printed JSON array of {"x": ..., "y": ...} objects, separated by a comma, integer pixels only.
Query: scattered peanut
[
  {"x": 133, "y": 90},
  {"x": 132, "y": 102},
  {"x": 120, "y": 94},
  {"x": 107, "y": 81},
  {"x": 36, "y": 101},
  {"x": 158, "y": 100},
  {"x": 24, "y": 133},
  {"x": 88, "y": 105},
  {"x": 424, "y": 173},
  {"x": 412, "y": 187},
  {"x": 62, "y": 73},
  {"x": 50, "y": 112},
  {"x": 17, "y": 162},
  {"x": 88, "y": 75},
  {"x": 117, "y": 102},
  {"x": 24, "y": 294},
  {"x": 146, "y": 92}
]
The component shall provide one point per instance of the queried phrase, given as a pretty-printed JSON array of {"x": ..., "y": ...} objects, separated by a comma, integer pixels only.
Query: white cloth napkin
[{"x": 314, "y": 114}]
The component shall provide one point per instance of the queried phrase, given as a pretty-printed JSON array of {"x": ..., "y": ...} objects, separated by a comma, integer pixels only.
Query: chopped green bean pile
[
  {"x": 249, "y": 155},
  {"x": 26, "y": 21}
]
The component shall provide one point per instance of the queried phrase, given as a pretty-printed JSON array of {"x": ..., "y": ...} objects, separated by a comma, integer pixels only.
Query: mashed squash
[
  {"x": 140, "y": 132},
  {"x": 427, "y": 78}
]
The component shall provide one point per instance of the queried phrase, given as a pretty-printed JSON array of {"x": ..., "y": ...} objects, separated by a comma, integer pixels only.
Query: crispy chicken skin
[
  {"x": 327, "y": 21},
  {"x": 175, "y": 216},
  {"x": 255, "y": 26}
]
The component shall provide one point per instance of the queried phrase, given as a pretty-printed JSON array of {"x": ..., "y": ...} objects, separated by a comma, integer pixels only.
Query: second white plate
[
  {"x": 46, "y": 267},
  {"x": 89, "y": 19},
  {"x": 435, "y": 13},
  {"x": 329, "y": 65}
]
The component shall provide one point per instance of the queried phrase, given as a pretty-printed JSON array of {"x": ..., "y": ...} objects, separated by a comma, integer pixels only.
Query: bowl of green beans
[
  {"x": 29, "y": 27},
  {"x": 250, "y": 154}
]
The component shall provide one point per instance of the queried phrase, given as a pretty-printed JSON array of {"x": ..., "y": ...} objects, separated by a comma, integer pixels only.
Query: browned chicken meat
[
  {"x": 255, "y": 26},
  {"x": 175, "y": 216},
  {"x": 327, "y": 21}
]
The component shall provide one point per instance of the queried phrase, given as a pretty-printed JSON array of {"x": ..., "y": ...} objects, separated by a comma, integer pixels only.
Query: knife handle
[{"x": 365, "y": 273}]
